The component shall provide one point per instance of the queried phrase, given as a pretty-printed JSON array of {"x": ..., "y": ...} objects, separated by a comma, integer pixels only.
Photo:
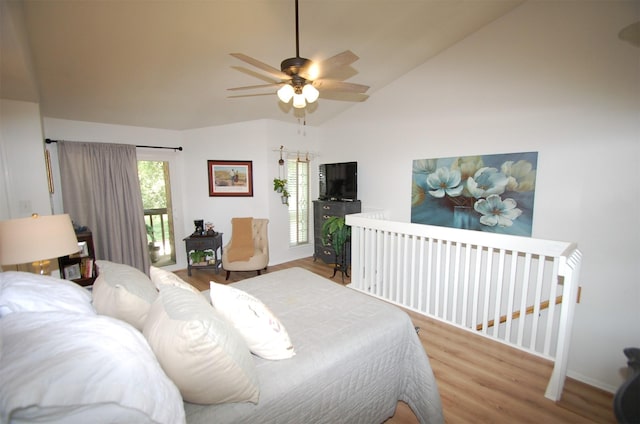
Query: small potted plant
[
  {"x": 336, "y": 233},
  {"x": 198, "y": 257},
  {"x": 280, "y": 186}
]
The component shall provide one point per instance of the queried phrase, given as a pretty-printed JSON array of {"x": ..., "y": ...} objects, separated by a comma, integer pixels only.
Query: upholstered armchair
[{"x": 259, "y": 258}]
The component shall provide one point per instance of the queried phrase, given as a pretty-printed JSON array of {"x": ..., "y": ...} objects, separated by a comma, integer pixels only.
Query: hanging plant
[{"x": 280, "y": 186}]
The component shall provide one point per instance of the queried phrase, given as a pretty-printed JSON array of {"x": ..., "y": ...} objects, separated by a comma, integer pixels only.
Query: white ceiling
[{"x": 166, "y": 63}]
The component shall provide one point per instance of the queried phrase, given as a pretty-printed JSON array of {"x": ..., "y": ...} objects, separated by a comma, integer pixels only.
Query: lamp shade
[
  {"x": 36, "y": 238},
  {"x": 310, "y": 93},
  {"x": 285, "y": 93},
  {"x": 298, "y": 101}
]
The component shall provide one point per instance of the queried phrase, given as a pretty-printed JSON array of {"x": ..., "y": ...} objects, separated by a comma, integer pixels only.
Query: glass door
[{"x": 155, "y": 186}]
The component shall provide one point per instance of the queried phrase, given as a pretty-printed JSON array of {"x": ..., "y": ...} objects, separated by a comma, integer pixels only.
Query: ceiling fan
[{"x": 301, "y": 78}]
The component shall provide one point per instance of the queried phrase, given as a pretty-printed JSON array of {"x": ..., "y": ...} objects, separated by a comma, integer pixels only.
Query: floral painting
[{"x": 492, "y": 193}]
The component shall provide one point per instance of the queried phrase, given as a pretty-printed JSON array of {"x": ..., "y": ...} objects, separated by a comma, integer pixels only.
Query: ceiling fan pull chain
[{"x": 302, "y": 125}]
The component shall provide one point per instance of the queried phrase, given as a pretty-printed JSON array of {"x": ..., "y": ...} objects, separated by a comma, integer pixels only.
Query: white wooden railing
[{"x": 516, "y": 290}]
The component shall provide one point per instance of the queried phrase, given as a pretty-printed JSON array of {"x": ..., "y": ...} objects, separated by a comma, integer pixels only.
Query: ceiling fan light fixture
[
  {"x": 310, "y": 93},
  {"x": 285, "y": 93},
  {"x": 299, "y": 78},
  {"x": 298, "y": 101}
]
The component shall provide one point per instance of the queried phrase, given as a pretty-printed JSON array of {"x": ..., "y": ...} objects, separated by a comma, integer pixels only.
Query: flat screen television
[{"x": 339, "y": 181}]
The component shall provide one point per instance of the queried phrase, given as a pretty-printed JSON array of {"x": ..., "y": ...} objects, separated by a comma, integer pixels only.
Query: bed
[{"x": 355, "y": 358}]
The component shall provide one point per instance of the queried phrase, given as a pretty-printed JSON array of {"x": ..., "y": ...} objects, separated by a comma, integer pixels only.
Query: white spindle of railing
[{"x": 479, "y": 281}]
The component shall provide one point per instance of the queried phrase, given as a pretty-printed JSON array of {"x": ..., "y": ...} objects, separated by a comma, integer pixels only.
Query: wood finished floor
[{"x": 480, "y": 381}]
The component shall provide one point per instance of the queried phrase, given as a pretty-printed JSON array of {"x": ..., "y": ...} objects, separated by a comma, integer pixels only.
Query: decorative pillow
[
  {"x": 123, "y": 292},
  {"x": 162, "y": 278},
  {"x": 65, "y": 368},
  {"x": 264, "y": 333},
  {"x": 203, "y": 355},
  {"x": 27, "y": 292}
]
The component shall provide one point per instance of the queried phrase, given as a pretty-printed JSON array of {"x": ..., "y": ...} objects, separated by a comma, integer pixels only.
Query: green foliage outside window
[
  {"x": 154, "y": 194},
  {"x": 152, "y": 186}
]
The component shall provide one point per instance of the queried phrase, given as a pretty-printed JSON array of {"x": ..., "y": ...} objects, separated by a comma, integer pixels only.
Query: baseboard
[{"x": 591, "y": 382}]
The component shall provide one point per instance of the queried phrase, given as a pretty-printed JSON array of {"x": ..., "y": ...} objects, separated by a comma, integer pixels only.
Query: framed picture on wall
[
  {"x": 491, "y": 193},
  {"x": 230, "y": 178}
]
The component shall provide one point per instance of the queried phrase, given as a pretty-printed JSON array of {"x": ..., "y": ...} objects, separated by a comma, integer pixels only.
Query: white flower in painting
[
  {"x": 521, "y": 175},
  {"x": 496, "y": 211},
  {"x": 487, "y": 181},
  {"x": 444, "y": 181},
  {"x": 424, "y": 166}
]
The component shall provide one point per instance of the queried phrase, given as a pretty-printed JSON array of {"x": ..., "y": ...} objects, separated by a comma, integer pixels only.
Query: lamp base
[{"x": 41, "y": 267}]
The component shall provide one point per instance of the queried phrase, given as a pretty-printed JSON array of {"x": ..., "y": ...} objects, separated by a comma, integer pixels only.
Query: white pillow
[
  {"x": 59, "y": 367},
  {"x": 27, "y": 292},
  {"x": 203, "y": 355},
  {"x": 123, "y": 292},
  {"x": 264, "y": 333},
  {"x": 162, "y": 278}
]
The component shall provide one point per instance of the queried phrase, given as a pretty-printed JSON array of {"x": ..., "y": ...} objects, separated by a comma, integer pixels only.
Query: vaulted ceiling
[{"x": 166, "y": 63}]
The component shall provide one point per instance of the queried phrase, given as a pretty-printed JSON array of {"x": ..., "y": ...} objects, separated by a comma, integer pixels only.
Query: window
[
  {"x": 155, "y": 187},
  {"x": 298, "y": 187}
]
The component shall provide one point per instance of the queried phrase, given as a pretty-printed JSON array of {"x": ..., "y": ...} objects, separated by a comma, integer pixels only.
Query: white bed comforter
[{"x": 356, "y": 356}]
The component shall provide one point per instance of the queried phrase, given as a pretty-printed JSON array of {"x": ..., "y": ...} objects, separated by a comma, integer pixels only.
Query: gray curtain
[{"x": 101, "y": 190}]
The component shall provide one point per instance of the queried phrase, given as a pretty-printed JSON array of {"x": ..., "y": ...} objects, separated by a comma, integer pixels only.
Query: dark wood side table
[
  {"x": 203, "y": 243},
  {"x": 80, "y": 267}
]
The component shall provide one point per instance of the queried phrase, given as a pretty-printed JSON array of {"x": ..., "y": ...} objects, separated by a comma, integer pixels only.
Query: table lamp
[{"x": 37, "y": 240}]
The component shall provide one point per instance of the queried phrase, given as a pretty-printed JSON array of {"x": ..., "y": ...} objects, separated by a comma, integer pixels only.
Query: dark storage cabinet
[{"x": 322, "y": 210}]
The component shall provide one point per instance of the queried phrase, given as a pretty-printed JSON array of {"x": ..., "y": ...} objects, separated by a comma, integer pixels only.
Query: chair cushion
[{"x": 259, "y": 260}]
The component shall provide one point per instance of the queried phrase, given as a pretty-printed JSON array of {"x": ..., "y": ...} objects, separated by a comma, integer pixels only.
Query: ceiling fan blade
[
  {"x": 332, "y": 85},
  {"x": 325, "y": 67},
  {"x": 261, "y": 65},
  {"x": 343, "y": 96},
  {"x": 251, "y": 87},
  {"x": 345, "y": 58},
  {"x": 249, "y": 95}
]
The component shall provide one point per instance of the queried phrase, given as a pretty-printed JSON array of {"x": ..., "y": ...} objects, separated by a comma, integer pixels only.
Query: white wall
[
  {"x": 550, "y": 77},
  {"x": 24, "y": 179},
  {"x": 257, "y": 141}
]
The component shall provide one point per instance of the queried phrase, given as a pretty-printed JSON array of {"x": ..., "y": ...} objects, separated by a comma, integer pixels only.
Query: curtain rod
[{"x": 49, "y": 141}]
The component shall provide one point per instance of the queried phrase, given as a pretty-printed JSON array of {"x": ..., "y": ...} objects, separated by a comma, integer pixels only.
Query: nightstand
[{"x": 211, "y": 256}]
